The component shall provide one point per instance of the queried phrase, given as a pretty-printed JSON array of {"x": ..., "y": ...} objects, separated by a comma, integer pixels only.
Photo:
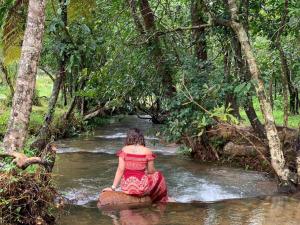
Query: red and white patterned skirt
[{"x": 138, "y": 183}]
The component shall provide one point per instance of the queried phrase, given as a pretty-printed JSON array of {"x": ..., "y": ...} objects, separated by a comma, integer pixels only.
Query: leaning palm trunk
[
  {"x": 277, "y": 157},
  {"x": 22, "y": 102}
]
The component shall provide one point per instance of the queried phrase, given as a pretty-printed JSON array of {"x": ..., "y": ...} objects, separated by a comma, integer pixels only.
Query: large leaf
[{"x": 13, "y": 31}]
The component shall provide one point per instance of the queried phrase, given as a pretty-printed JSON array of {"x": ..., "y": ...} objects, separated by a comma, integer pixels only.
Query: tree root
[{"x": 22, "y": 161}]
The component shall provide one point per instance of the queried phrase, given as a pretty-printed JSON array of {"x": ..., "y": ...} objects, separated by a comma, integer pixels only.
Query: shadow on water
[{"x": 86, "y": 164}]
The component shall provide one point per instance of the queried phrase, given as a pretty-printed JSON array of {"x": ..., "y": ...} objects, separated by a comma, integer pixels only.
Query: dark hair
[{"x": 135, "y": 137}]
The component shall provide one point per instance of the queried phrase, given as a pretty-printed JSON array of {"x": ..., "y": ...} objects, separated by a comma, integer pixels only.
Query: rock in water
[{"x": 114, "y": 199}]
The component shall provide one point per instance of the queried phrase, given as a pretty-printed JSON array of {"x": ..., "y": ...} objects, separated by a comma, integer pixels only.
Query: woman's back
[{"x": 136, "y": 157}]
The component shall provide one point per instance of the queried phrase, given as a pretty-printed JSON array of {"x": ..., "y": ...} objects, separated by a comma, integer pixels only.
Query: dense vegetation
[{"x": 188, "y": 64}]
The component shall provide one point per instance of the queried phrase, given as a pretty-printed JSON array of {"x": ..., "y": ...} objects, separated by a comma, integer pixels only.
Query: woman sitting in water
[{"x": 136, "y": 170}]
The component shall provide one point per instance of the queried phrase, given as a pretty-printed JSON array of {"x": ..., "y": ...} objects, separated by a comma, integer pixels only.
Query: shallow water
[{"x": 87, "y": 164}]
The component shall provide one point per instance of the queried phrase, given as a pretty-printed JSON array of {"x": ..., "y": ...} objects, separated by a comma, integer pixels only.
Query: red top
[{"x": 136, "y": 161}]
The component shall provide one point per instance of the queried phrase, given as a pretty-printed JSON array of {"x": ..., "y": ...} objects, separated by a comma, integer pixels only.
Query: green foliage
[
  {"x": 4, "y": 116},
  {"x": 78, "y": 10},
  {"x": 108, "y": 62},
  {"x": 184, "y": 150},
  {"x": 4, "y": 8}
]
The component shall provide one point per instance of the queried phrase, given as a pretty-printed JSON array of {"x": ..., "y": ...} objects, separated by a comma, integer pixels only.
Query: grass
[
  {"x": 294, "y": 120},
  {"x": 44, "y": 85},
  {"x": 44, "y": 88}
]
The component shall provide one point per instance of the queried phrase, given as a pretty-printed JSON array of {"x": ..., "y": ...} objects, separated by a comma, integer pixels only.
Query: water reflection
[
  {"x": 277, "y": 210},
  {"x": 149, "y": 216}
]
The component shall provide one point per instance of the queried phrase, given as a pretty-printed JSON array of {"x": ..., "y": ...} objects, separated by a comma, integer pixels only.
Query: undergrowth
[{"x": 26, "y": 197}]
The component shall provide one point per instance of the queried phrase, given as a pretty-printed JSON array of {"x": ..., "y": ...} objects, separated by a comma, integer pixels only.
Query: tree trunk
[
  {"x": 275, "y": 86},
  {"x": 22, "y": 102},
  {"x": 199, "y": 36},
  {"x": 64, "y": 95},
  {"x": 284, "y": 88},
  {"x": 284, "y": 66},
  {"x": 277, "y": 157},
  {"x": 287, "y": 80},
  {"x": 58, "y": 84},
  {"x": 158, "y": 57},
  {"x": 285, "y": 70},
  {"x": 71, "y": 108},
  {"x": 44, "y": 134},
  {"x": 271, "y": 91},
  {"x": 136, "y": 18},
  {"x": 230, "y": 97},
  {"x": 252, "y": 116},
  {"x": 245, "y": 76}
]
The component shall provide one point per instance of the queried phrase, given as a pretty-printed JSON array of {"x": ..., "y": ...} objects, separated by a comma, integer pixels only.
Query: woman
[{"x": 136, "y": 170}]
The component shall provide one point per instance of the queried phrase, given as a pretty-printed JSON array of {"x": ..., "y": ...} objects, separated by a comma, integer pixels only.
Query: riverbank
[
  {"x": 239, "y": 146},
  {"x": 27, "y": 196}
]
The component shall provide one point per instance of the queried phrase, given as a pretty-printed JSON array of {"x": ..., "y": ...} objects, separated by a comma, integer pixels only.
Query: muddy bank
[{"x": 240, "y": 146}]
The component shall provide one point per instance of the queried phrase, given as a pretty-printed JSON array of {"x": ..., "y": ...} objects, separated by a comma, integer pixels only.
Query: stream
[{"x": 204, "y": 193}]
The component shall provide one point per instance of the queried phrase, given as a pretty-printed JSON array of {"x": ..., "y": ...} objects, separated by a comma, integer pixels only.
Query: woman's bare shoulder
[
  {"x": 147, "y": 150},
  {"x": 143, "y": 149},
  {"x": 125, "y": 147}
]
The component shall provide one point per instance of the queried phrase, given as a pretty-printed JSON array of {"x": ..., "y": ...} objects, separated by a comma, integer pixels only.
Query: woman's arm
[
  {"x": 119, "y": 172},
  {"x": 150, "y": 167},
  {"x": 118, "y": 175}
]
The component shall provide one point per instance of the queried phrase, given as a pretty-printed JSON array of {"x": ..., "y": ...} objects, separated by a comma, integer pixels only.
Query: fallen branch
[
  {"x": 93, "y": 113},
  {"x": 243, "y": 150}
]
